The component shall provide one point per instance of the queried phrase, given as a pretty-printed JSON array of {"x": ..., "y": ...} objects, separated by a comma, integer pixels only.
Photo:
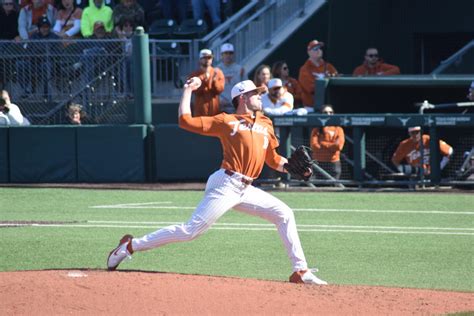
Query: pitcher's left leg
[{"x": 262, "y": 204}]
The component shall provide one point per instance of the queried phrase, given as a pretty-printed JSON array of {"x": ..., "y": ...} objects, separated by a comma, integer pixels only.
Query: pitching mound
[{"x": 92, "y": 292}]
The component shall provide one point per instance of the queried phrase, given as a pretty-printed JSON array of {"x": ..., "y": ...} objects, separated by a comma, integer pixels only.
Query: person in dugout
[{"x": 407, "y": 156}]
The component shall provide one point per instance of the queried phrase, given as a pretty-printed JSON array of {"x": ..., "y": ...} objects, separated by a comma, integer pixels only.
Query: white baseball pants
[{"x": 224, "y": 192}]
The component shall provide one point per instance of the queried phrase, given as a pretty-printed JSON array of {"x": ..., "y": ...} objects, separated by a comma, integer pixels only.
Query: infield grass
[{"x": 391, "y": 239}]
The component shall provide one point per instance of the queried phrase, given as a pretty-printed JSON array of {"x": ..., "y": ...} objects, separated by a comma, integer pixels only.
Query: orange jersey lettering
[
  {"x": 410, "y": 151},
  {"x": 247, "y": 142}
]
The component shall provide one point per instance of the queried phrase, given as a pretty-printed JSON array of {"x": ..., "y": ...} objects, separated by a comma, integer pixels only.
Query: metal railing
[
  {"x": 45, "y": 76},
  {"x": 460, "y": 62}
]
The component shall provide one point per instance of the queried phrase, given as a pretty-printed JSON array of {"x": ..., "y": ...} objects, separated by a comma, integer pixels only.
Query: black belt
[{"x": 244, "y": 181}]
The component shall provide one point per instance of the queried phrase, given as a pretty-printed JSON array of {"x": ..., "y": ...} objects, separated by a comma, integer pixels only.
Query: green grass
[{"x": 424, "y": 241}]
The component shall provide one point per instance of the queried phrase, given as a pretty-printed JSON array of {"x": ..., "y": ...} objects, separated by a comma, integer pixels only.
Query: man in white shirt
[
  {"x": 12, "y": 111},
  {"x": 4, "y": 120},
  {"x": 233, "y": 74},
  {"x": 278, "y": 100}
]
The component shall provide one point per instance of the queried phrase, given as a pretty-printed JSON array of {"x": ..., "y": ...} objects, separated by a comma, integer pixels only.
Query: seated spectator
[
  {"x": 68, "y": 20},
  {"x": 4, "y": 120},
  {"x": 280, "y": 70},
  {"x": 12, "y": 111},
  {"x": 8, "y": 31},
  {"x": 175, "y": 9},
  {"x": 75, "y": 115},
  {"x": 277, "y": 101},
  {"x": 374, "y": 66},
  {"x": 37, "y": 64},
  {"x": 31, "y": 14},
  {"x": 8, "y": 20},
  {"x": 314, "y": 67},
  {"x": 262, "y": 76},
  {"x": 233, "y": 73},
  {"x": 44, "y": 31},
  {"x": 408, "y": 152},
  {"x": 327, "y": 143},
  {"x": 96, "y": 11},
  {"x": 213, "y": 8},
  {"x": 206, "y": 101},
  {"x": 130, "y": 10},
  {"x": 124, "y": 30}
]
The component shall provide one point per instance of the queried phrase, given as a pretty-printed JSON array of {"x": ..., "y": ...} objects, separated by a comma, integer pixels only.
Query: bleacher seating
[
  {"x": 162, "y": 28},
  {"x": 190, "y": 29}
]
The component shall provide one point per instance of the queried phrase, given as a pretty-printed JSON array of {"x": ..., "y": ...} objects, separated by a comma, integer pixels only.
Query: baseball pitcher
[{"x": 248, "y": 141}]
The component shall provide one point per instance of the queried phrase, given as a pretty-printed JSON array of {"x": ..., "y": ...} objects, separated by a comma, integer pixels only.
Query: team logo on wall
[
  {"x": 323, "y": 121},
  {"x": 404, "y": 120}
]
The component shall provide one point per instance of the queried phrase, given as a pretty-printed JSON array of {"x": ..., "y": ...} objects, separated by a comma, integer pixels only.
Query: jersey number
[{"x": 265, "y": 142}]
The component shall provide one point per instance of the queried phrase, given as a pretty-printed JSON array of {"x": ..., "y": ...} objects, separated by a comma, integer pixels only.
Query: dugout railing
[{"x": 371, "y": 140}]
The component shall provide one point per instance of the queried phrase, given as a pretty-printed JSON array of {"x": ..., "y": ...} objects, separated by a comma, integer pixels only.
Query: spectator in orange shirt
[
  {"x": 374, "y": 66},
  {"x": 409, "y": 152},
  {"x": 262, "y": 76},
  {"x": 206, "y": 101},
  {"x": 280, "y": 70},
  {"x": 314, "y": 67},
  {"x": 326, "y": 143}
]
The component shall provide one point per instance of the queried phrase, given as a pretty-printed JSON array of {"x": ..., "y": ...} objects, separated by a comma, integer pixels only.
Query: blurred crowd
[{"x": 23, "y": 19}]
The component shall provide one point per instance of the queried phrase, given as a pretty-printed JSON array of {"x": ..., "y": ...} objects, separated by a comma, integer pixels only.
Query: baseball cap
[
  {"x": 98, "y": 24},
  {"x": 205, "y": 53},
  {"x": 315, "y": 43},
  {"x": 275, "y": 83},
  {"x": 43, "y": 21},
  {"x": 244, "y": 87},
  {"x": 414, "y": 129},
  {"x": 227, "y": 47}
]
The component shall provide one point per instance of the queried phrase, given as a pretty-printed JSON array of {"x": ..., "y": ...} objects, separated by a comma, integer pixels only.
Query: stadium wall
[{"x": 415, "y": 35}]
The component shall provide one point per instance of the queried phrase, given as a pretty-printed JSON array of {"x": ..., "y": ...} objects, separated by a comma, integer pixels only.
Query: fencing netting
[{"x": 380, "y": 145}]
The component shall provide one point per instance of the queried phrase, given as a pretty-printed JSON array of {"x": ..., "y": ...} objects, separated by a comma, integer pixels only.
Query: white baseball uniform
[{"x": 248, "y": 141}]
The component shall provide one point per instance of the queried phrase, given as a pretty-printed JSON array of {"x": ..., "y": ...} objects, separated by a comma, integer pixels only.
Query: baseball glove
[{"x": 299, "y": 164}]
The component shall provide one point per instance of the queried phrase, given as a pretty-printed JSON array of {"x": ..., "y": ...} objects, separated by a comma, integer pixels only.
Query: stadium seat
[
  {"x": 191, "y": 28},
  {"x": 162, "y": 28},
  {"x": 167, "y": 48}
]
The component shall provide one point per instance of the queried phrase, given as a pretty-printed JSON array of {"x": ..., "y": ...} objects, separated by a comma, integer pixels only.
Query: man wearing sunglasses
[
  {"x": 315, "y": 67},
  {"x": 375, "y": 66}
]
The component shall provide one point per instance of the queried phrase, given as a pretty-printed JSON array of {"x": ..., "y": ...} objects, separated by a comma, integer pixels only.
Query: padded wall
[
  {"x": 3, "y": 154},
  {"x": 111, "y": 153},
  {"x": 42, "y": 154},
  {"x": 181, "y": 155}
]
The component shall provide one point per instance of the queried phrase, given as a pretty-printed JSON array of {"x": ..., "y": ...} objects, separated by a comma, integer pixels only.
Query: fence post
[
  {"x": 141, "y": 113},
  {"x": 435, "y": 175},
  {"x": 285, "y": 145},
  {"x": 320, "y": 86},
  {"x": 359, "y": 154}
]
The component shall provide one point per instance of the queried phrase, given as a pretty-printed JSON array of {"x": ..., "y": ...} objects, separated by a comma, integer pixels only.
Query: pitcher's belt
[{"x": 231, "y": 173}]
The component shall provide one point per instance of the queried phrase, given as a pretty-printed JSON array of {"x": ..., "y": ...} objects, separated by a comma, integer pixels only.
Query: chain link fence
[
  {"x": 381, "y": 143},
  {"x": 43, "y": 77}
]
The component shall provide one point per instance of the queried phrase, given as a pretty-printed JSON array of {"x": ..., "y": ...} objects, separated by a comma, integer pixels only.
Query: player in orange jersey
[
  {"x": 327, "y": 143},
  {"x": 248, "y": 141},
  {"x": 409, "y": 151}
]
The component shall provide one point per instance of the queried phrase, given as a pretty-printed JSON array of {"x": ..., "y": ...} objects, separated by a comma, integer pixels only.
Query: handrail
[
  {"x": 453, "y": 58},
  {"x": 225, "y": 26}
]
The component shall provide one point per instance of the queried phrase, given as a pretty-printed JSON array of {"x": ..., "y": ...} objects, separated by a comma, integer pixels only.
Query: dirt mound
[{"x": 92, "y": 292}]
